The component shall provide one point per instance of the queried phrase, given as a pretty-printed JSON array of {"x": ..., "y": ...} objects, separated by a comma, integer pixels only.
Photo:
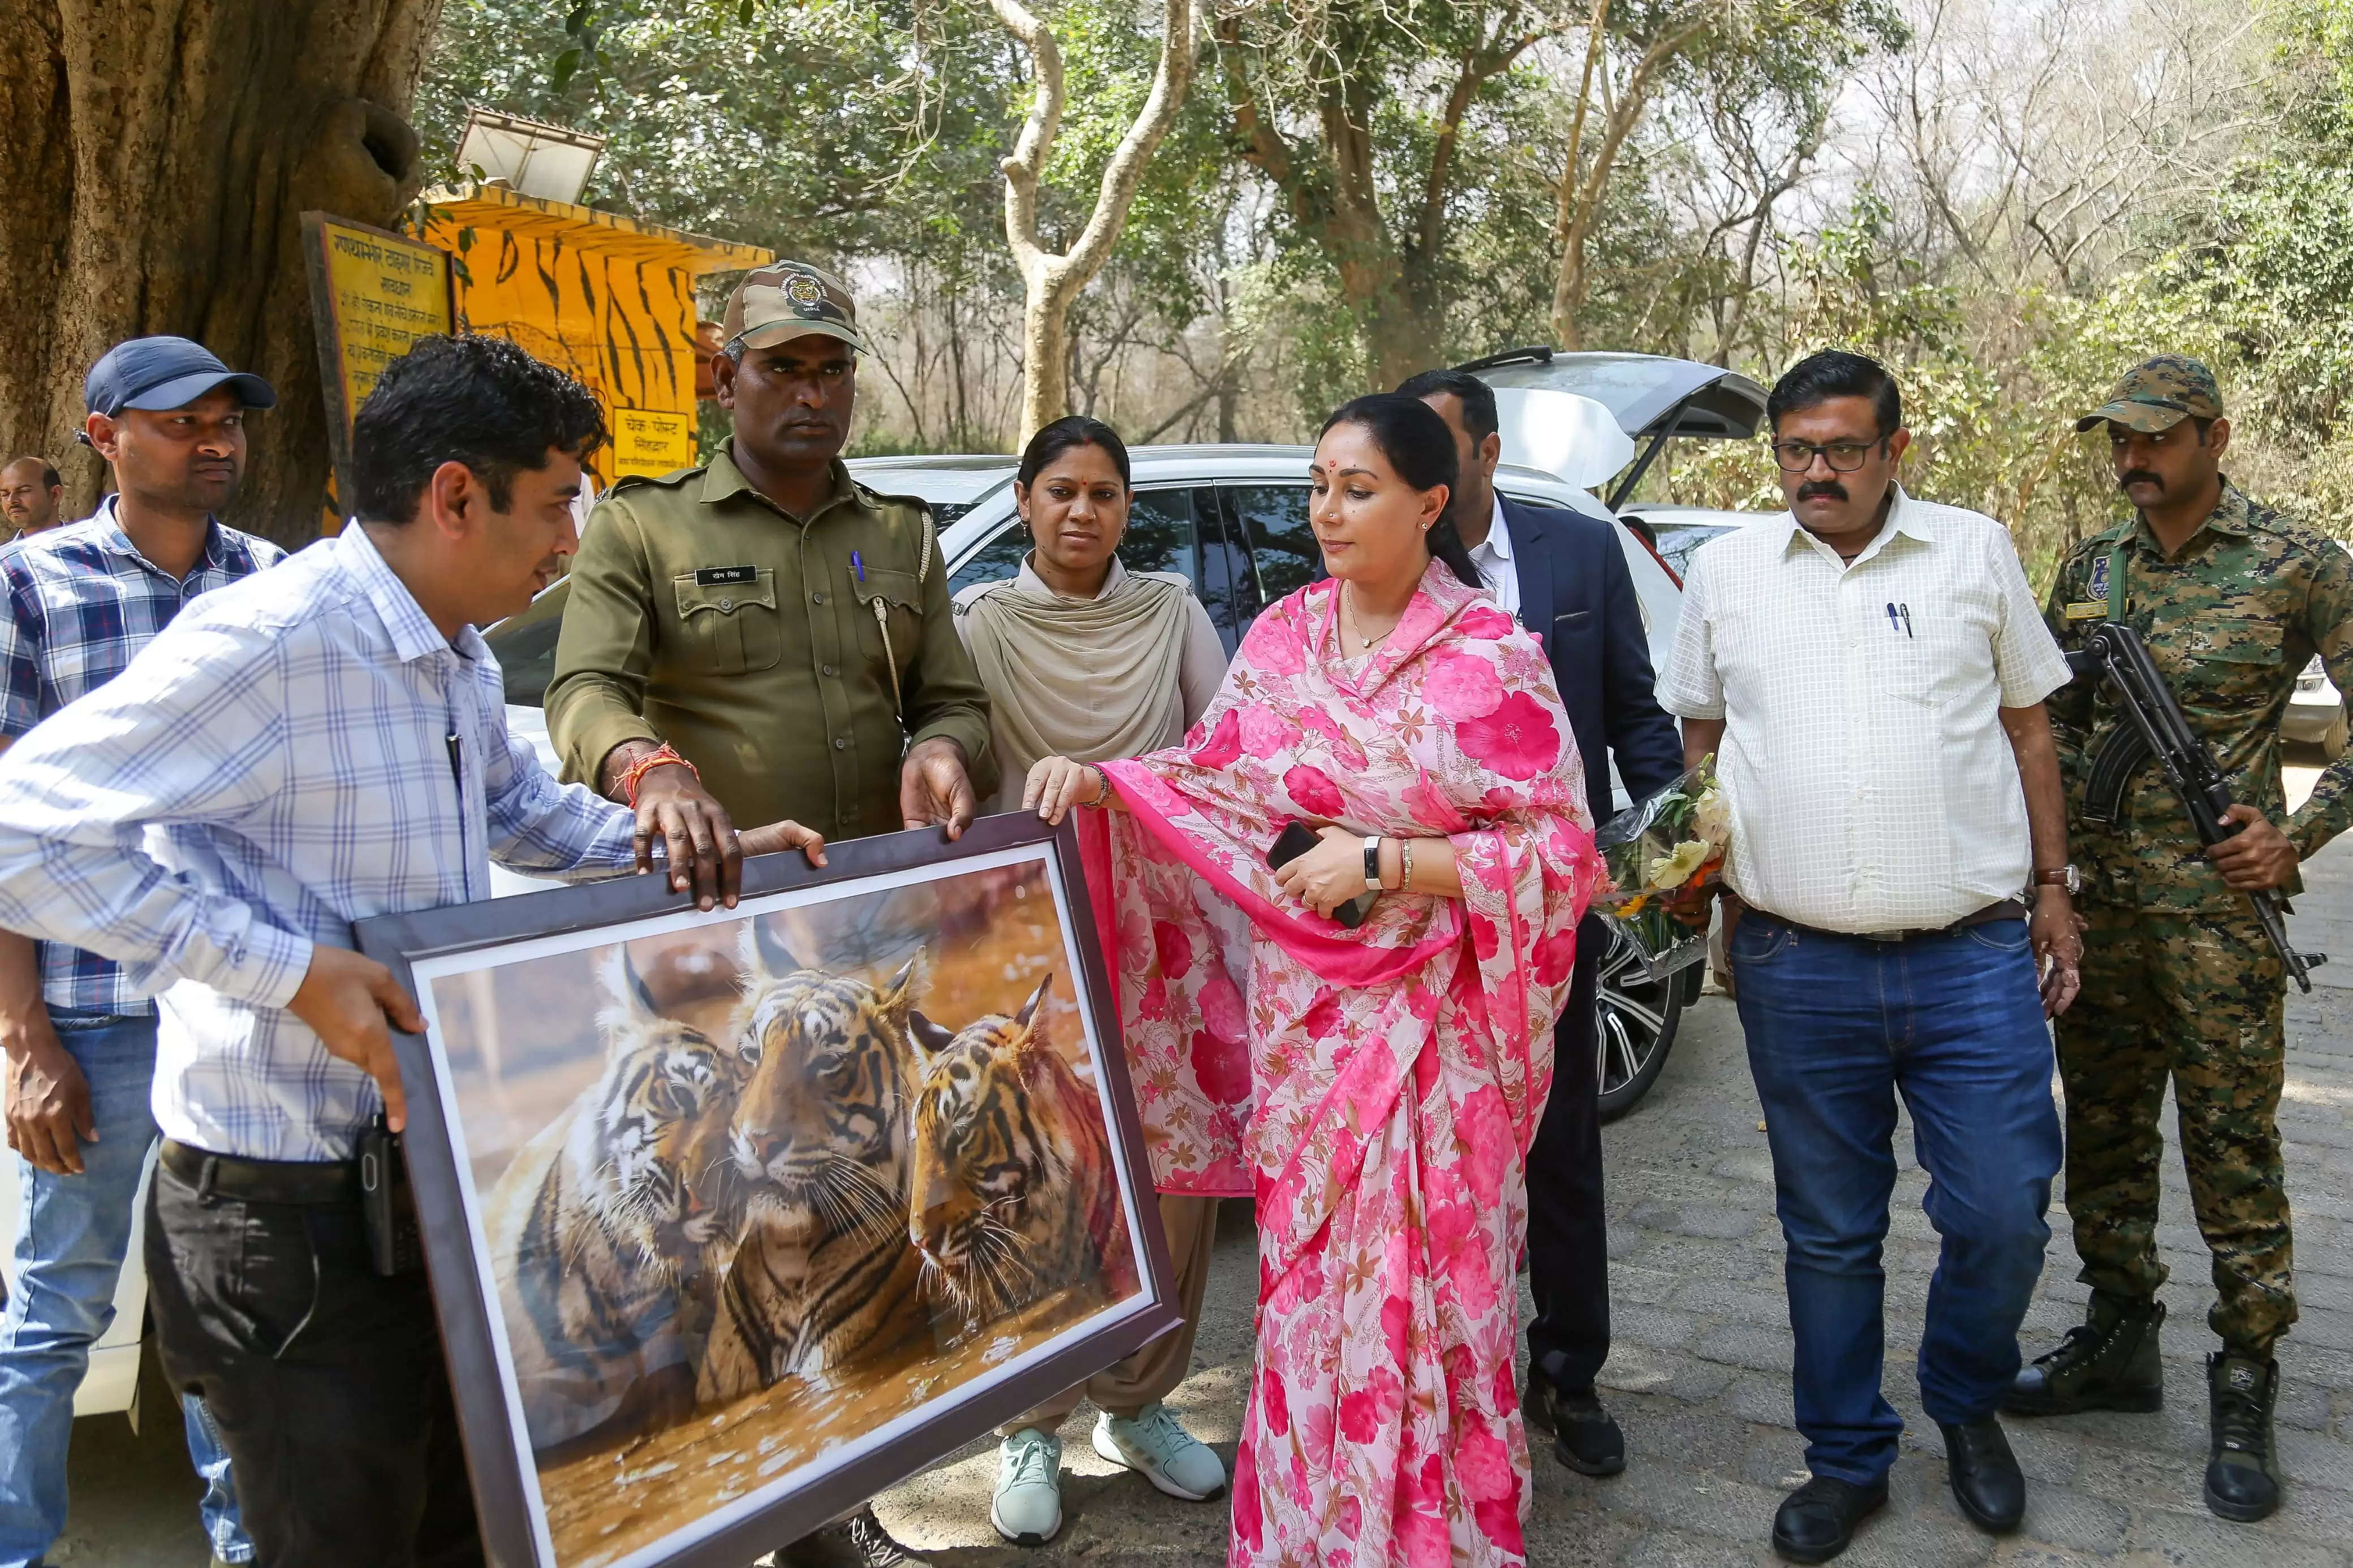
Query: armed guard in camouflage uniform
[{"x": 2232, "y": 600}]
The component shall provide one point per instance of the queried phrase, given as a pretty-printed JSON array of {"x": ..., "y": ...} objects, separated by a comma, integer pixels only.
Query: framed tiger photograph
[{"x": 735, "y": 1219}]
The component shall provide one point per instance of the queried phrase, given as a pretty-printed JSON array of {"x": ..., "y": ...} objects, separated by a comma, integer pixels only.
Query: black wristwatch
[{"x": 1373, "y": 863}]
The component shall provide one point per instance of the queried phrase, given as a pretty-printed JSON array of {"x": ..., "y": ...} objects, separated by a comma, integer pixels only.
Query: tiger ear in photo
[
  {"x": 1026, "y": 1020},
  {"x": 897, "y": 996},
  {"x": 929, "y": 1040},
  {"x": 631, "y": 1002},
  {"x": 765, "y": 953}
]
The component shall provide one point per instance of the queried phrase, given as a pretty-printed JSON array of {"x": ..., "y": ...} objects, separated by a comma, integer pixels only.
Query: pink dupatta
[{"x": 1451, "y": 727}]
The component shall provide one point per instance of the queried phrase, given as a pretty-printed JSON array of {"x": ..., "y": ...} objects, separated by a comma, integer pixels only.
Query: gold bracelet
[{"x": 1405, "y": 858}]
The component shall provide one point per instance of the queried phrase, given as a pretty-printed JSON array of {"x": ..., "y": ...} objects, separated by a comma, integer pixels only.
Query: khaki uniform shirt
[
  {"x": 2230, "y": 623},
  {"x": 762, "y": 647}
]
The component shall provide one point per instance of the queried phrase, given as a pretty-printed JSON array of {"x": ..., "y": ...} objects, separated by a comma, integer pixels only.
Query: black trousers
[
  {"x": 1568, "y": 1240},
  {"x": 327, "y": 1380}
]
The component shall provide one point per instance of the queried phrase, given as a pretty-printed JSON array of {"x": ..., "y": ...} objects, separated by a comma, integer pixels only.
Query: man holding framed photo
[
  {"x": 766, "y": 617},
  {"x": 288, "y": 756}
]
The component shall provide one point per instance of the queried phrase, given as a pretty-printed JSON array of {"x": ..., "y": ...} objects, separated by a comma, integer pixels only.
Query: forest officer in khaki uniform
[
  {"x": 2232, "y": 600},
  {"x": 782, "y": 628},
  {"x": 785, "y": 629}
]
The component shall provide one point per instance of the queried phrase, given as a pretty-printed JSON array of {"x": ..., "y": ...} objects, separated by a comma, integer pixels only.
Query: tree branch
[{"x": 1052, "y": 280}]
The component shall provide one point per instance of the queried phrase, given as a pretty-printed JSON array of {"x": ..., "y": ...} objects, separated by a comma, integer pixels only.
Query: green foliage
[
  {"x": 1992, "y": 388},
  {"x": 2254, "y": 277},
  {"x": 798, "y": 125}
]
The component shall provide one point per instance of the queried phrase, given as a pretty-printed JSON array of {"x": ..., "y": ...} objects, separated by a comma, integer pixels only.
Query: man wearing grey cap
[
  {"x": 2178, "y": 982},
  {"x": 780, "y": 628},
  {"x": 79, "y": 1038}
]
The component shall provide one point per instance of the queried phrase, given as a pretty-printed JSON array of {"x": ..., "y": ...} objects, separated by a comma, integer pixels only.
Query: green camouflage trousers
[{"x": 2196, "y": 997}]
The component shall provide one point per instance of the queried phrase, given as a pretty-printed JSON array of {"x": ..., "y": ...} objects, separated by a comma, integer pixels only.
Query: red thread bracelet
[{"x": 662, "y": 756}]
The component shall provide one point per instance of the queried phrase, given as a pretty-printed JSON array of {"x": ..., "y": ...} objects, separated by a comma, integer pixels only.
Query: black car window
[
  {"x": 1225, "y": 582},
  {"x": 993, "y": 562},
  {"x": 1160, "y": 536},
  {"x": 1283, "y": 552}
]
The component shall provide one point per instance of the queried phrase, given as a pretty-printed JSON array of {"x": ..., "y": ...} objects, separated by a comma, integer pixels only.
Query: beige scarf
[{"x": 1091, "y": 679}]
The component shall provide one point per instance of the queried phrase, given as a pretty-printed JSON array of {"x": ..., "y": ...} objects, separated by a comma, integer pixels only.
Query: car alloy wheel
[{"x": 1635, "y": 1024}]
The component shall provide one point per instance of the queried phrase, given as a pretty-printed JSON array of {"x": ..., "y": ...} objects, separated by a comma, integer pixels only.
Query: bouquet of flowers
[{"x": 1664, "y": 851}]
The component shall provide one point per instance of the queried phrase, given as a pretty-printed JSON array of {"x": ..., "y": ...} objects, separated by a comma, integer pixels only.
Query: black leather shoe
[
  {"x": 1815, "y": 1522},
  {"x": 858, "y": 1542},
  {"x": 1987, "y": 1481},
  {"x": 2108, "y": 1363},
  {"x": 2242, "y": 1476},
  {"x": 1585, "y": 1437}
]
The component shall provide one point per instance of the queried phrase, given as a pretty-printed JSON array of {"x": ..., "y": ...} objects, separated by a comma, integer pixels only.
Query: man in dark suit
[{"x": 1561, "y": 573}]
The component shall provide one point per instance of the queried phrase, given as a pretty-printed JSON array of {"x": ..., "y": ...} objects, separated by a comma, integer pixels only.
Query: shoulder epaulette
[
  {"x": 877, "y": 498},
  {"x": 671, "y": 480},
  {"x": 873, "y": 497}
]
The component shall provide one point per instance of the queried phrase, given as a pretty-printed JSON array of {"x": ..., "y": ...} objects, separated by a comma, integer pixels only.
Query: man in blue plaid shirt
[
  {"x": 79, "y": 1037},
  {"x": 291, "y": 755}
]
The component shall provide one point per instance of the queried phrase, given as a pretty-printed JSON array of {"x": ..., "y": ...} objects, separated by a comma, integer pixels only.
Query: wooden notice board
[{"x": 373, "y": 294}]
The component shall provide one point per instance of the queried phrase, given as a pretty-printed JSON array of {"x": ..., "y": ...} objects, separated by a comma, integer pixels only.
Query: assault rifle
[{"x": 2157, "y": 727}]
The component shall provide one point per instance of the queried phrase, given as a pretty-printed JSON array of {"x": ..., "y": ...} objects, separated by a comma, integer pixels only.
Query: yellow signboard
[
  {"x": 651, "y": 443},
  {"x": 609, "y": 299},
  {"x": 373, "y": 294}
]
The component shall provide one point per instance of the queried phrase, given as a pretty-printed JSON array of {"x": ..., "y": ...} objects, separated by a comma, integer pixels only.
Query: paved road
[{"x": 1699, "y": 1374}]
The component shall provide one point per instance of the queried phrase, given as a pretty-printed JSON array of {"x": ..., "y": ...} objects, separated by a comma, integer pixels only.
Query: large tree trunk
[{"x": 156, "y": 160}]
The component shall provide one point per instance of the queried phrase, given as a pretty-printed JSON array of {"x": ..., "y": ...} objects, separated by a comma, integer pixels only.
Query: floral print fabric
[{"x": 1374, "y": 1090}]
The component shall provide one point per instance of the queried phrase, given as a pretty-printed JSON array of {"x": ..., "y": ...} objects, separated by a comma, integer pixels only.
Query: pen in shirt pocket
[
  {"x": 1891, "y": 617},
  {"x": 858, "y": 562},
  {"x": 1907, "y": 619}
]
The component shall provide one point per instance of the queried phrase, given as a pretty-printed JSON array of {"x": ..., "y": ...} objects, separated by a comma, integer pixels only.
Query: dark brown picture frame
[{"x": 497, "y": 1453}]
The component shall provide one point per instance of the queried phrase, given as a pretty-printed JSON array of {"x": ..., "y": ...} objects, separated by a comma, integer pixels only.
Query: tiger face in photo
[
  {"x": 1013, "y": 1193},
  {"x": 607, "y": 1269},
  {"x": 817, "y": 1151}
]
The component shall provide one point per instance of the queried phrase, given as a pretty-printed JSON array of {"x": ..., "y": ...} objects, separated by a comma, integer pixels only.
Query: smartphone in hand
[{"x": 1298, "y": 839}]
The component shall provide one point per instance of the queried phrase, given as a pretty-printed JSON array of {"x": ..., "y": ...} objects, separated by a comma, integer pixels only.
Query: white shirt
[
  {"x": 1493, "y": 559},
  {"x": 1871, "y": 785},
  {"x": 295, "y": 752}
]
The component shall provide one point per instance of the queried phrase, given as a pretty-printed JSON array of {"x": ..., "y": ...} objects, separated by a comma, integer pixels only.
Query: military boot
[
  {"x": 2242, "y": 1477},
  {"x": 2107, "y": 1364}
]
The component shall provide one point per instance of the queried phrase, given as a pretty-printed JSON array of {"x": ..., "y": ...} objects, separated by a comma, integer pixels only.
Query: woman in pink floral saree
[{"x": 1377, "y": 1090}]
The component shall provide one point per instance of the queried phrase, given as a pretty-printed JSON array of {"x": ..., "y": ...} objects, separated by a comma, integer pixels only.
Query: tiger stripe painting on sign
[{"x": 609, "y": 299}]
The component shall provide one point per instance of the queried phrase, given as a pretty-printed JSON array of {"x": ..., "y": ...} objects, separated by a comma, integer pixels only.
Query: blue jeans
[
  {"x": 71, "y": 1234},
  {"x": 1836, "y": 1026}
]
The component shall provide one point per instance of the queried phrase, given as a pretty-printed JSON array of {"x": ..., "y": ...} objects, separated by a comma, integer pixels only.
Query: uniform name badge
[
  {"x": 720, "y": 577},
  {"x": 2094, "y": 605}
]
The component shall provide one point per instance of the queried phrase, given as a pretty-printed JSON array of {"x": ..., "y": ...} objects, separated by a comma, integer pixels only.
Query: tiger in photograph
[
  {"x": 818, "y": 1146},
  {"x": 606, "y": 1259},
  {"x": 1013, "y": 1191}
]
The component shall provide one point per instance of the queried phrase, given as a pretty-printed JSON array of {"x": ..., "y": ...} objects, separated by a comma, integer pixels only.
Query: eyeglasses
[{"x": 1844, "y": 457}]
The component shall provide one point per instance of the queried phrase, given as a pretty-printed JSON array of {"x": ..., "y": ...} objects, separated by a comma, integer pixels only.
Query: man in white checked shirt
[
  {"x": 1870, "y": 671},
  {"x": 286, "y": 757}
]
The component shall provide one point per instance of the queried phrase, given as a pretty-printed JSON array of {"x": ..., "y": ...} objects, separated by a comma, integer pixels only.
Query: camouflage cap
[
  {"x": 2157, "y": 394},
  {"x": 787, "y": 299}
]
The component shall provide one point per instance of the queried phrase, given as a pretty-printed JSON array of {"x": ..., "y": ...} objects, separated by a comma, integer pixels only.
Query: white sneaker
[
  {"x": 1027, "y": 1508},
  {"x": 1156, "y": 1446}
]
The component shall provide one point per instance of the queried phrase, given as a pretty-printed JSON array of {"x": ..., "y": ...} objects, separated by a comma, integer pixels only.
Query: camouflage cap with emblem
[
  {"x": 2157, "y": 394},
  {"x": 787, "y": 299}
]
